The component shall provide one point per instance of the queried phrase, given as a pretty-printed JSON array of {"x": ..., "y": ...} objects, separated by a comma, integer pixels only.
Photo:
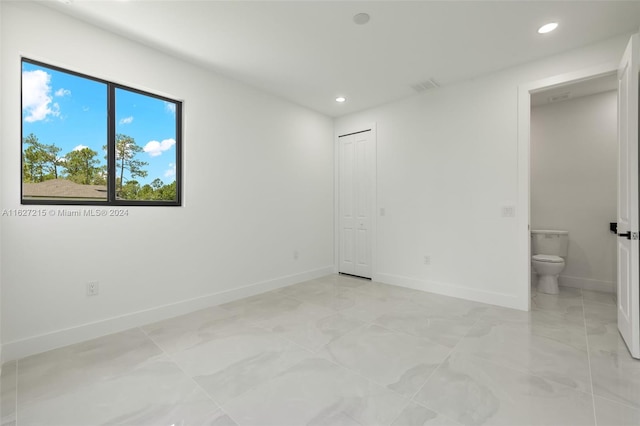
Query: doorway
[
  {"x": 524, "y": 164},
  {"x": 356, "y": 202},
  {"x": 628, "y": 248},
  {"x": 574, "y": 177}
]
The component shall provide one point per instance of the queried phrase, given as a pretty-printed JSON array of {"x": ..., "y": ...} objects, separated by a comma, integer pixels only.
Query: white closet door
[{"x": 356, "y": 174}]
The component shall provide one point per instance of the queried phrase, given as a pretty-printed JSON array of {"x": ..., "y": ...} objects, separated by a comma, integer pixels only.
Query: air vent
[
  {"x": 425, "y": 85},
  {"x": 561, "y": 97}
]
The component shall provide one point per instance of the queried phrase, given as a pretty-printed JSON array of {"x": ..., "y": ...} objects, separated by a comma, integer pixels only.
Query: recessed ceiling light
[
  {"x": 547, "y": 28},
  {"x": 341, "y": 99},
  {"x": 361, "y": 18}
]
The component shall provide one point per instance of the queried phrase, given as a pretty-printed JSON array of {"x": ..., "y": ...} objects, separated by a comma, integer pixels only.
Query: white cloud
[
  {"x": 126, "y": 120},
  {"x": 80, "y": 148},
  {"x": 171, "y": 172},
  {"x": 63, "y": 92},
  {"x": 36, "y": 96},
  {"x": 155, "y": 148},
  {"x": 170, "y": 107}
]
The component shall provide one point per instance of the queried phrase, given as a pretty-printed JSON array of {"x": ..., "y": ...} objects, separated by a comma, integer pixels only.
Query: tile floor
[{"x": 342, "y": 351}]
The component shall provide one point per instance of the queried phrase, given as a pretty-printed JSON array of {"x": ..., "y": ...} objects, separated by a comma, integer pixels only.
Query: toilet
[{"x": 549, "y": 250}]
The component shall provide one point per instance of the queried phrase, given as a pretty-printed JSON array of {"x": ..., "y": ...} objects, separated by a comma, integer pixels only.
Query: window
[{"x": 89, "y": 141}]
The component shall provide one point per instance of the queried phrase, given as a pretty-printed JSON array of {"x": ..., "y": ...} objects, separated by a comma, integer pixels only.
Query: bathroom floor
[{"x": 342, "y": 351}]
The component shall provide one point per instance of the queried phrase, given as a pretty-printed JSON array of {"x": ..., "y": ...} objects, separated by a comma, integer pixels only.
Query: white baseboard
[
  {"x": 36, "y": 344},
  {"x": 454, "y": 290},
  {"x": 587, "y": 284}
]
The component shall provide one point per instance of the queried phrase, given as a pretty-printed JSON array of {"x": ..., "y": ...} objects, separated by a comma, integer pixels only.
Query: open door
[{"x": 628, "y": 227}]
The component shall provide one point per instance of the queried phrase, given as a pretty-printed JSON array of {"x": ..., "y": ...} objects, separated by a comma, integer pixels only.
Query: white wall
[
  {"x": 258, "y": 184},
  {"x": 574, "y": 183},
  {"x": 447, "y": 164}
]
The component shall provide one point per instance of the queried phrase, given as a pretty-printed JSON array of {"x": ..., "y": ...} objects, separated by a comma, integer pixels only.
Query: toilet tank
[{"x": 548, "y": 241}]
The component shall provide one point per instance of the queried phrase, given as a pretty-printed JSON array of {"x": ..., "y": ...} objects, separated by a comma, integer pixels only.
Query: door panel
[
  {"x": 348, "y": 248},
  {"x": 363, "y": 266},
  {"x": 347, "y": 235},
  {"x": 628, "y": 244},
  {"x": 623, "y": 290}
]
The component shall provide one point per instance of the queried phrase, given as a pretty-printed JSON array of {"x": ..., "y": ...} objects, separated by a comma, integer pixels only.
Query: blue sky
[{"x": 71, "y": 112}]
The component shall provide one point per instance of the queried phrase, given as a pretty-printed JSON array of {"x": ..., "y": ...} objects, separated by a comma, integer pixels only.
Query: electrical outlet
[
  {"x": 427, "y": 260},
  {"x": 93, "y": 288}
]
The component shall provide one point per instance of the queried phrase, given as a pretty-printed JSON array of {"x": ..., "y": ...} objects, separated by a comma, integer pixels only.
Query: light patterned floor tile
[
  {"x": 609, "y": 413},
  {"x": 417, "y": 415},
  {"x": 615, "y": 374},
  {"x": 117, "y": 379},
  {"x": 220, "y": 418},
  {"x": 517, "y": 345},
  {"x": 396, "y": 360},
  {"x": 436, "y": 324},
  {"x": 316, "y": 392},
  {"x": 315, "y": 334},
  {"x": 599, "y": 297},
  {"x": 8, "y": 394},
  {"x": 233, "y": 361},
  {"x": 279, "y": 311},
  {"x": 473, "y": 391},
  {"x": 189, "y": 330}
]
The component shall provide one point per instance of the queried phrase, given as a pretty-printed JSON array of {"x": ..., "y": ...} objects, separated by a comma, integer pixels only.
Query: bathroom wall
[{"x": 574, "y": 183}]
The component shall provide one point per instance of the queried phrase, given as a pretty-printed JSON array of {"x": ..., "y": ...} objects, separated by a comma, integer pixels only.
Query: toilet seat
[{"x": 547, "y": 258}]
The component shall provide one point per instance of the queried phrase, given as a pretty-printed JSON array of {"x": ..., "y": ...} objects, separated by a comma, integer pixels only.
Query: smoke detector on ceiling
[
  {"x": 425, "y": 85},
  {"x": 361, "y": 18}
]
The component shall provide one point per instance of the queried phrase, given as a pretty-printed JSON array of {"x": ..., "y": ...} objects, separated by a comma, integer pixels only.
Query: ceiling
[{"x": 310, "y": 52}]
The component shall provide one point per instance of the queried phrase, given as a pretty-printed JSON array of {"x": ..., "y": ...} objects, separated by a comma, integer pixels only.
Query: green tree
[
  {"x": 52, "y": 159},
  {"x": 81, "y": 166},
  {"x": 130, "y": 190},
  {"x": 100, "y": 175},
  {"x": 34, "y": 159},
  {"x": 26, "y": 173},
  {"x": 126, "y": 151},
  {"x": 147, "y": 193},
  {"x": 157, "y": 184},
  {"x": 40, "y": 162},
  {"x": 157, "y": 191},
  {"x": 167, "y": 192}
]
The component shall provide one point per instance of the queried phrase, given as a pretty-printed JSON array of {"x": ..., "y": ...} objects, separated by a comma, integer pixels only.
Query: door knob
[{"x": 626, "y": 234}]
